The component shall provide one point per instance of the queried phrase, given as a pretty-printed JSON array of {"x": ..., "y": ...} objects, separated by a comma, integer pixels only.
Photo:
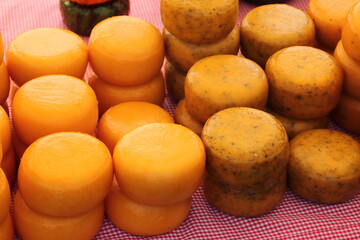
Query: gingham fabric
[{"x": 294, "y": 218}]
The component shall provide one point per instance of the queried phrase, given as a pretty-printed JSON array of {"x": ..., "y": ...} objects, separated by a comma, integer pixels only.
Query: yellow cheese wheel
[
  {"x": 351, "y": 69},
  {"x": 4, "y": 83},
  {"x": 245, "y": 147},
  {"x": 266, "y": 29},
  {"x": 54, "y": 103},
  {"x": 44, "y": 51},
  {"x": 7, "y": 229},
  {"x": 244, "y": 203},
  {"x": 183, "y": 54},
  {"x": 183, "y": 117},
  {"x": 4, "y": 197},
  {"x": 175, "y": 81},
  {"x": 32, "y": 225},
  {"x": 347, "y": 113},
  {"x": 9, "y": 165},
  {"x": 350, "y": 35},
  {"x": 199, "y": 21},
  {"x": 159, "y": 164},
  {"x": 222, "y": 81},
  {"x": 143, "y": 220},
  {"x": 65, "y": 174},
  {"x": 324, "y": 166},
  {"x": 124, "y": 117},
  {"x": 304, "y": 82},
  {"x": 133, "y": 55},
  {"x": 5, "y": 130}
]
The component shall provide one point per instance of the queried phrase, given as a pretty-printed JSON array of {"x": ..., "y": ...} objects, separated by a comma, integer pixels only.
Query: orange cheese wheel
[
  {"x": 54, "y": 103},
  {"x": 4, "y": 83},
  {"x": 351, "y": 69},
  {"x": 9, "y": 165},
  {"x": 65, "y": 174},
  {"x": 131, "y": 56},
  {"x": 324, "y": 166},
  {"x": 258, "y": 137},
  {"x": 109, "y": 94},
  {"x": 7, "y": 229},
  {"x": 32, "y": 225},
  {"x": 159, "y": 164},
  {"x": 266, "y": 29},
  {"x": 183, "y": 117},
  {"x": 350, "y": 35},
  {"x": 222, "y": 81},
  {"x": 4, "y": 197},
  {"x": 304, "y": 82},
  {"x": 175, "y": 81},
  {"x": 141, "y": 219},
  {"x": 5, "y": 130},
  {"x": 183, "y": 54},
  {"x": 347, "y": 113},
  {"x": 44, "y": 51},
  {"x": 124, "y": 117},
  {"x": 199, "y": 21}
]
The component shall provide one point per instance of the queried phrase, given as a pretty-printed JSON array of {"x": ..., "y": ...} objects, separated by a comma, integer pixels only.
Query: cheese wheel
[
  {"x": 183, "y": 117},
  {"x": 124, "y": 117},
  {"x": 351, "y": 69},
  {"x": 199, "y": 21},
  {"x": 110, "y": 95},
  {"x": 4, "y": 197},
  {"x": 324, "y": 166},
  {"x": 347, "y": 113},
  {"x": 246, "y": 148},
  {"x": 244, "y": 203},
  {"x": 329, "y": 17},
  {"x": 175, "y": 81},
  {"x": 44, "y": 51},
  {"x": 304, "y": 82},
  {"x": 4, "y": 82},
  {"x": 141, "y": 219},
  {"x": 32, "y": 225},
  {"x": 5, "y": 130},
  {"x": 266, "y": 29},
  {"x": 65, "y": 174},
  {"x": 7, "y": 229},
  {"x": 183, "y": 54},
  {"x": 54, "y": 103},
  {"x": 131, "y": 56},
  {"x": 222, "y": 81},
  {"x": 159, "y": 164},
  {"x": 350, "y": 34},
  {"x": 9, "y": 165}
]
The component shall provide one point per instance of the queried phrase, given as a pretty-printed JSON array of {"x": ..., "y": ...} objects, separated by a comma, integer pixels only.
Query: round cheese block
[
  {"x": 7, "y": 229},
  {"x": 183, "y": 54},
  {"x": 347, "y": 113},
  {"x": 246, "y": 148},
  {"x": 43, "y": 51},
  {"x": 266, "y": 29},
  {"x": 4, "y": 83},
  {"x": 131, "y": 56},
  {"x": 324, "y": 166},
  {"x": 199, "y": 21},
  {"x": 5, "y": 130},
  {"x": 4, "y": 197},
  {"x": 159, "y": 164},
  {"x": 175, "y": 81},
  {"x": 53, "y": 103},
  {"x": 183, "y": 117},
  {"x": 222, "y": 81},
  {"x": 9, "y": 165},
  {"x": 65, "y": 174},
  {"x": 143, "y": 220},
  {"x": 304, "y": 82},
  {"x": 350, "y": 34}
]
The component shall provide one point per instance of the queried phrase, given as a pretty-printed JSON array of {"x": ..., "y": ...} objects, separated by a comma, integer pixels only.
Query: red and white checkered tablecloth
[{"x": 294, "y": 218}]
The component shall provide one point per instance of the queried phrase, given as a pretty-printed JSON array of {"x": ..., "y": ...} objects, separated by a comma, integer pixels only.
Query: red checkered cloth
[{"x": 294, "y": 218}]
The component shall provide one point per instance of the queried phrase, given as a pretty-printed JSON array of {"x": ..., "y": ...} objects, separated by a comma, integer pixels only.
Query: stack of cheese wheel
[
  {"x": 304, "y": 87},
  {"x": 218, "y": 82},
  {"x": 4, "y": 78},
  {"x": 158, "y": 167},
  {"x": 247, "y": 151},
  {"x": 194, "y": 30},
  {"x": 6, "y": 225},
  {"x": 127, "y": 63},
  {"x": 63, "y": 181},
  {"x": 347, "y": 113},
  {"x": 50, "y": 104}
]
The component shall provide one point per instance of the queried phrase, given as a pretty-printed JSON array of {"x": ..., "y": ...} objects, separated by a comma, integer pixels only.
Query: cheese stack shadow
[{"x": 6, "y": 225}]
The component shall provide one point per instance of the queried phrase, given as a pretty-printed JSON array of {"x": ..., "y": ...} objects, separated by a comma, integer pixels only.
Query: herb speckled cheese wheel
[
  {"x": 350, "y": 34},
  {"x": 347, "y": 113},
  {"x": 7, "y": 229},
  {"x": 222, "y": 81},
  {"x": 199, "y": 21},
  {"x": 244, "y": 203},
  {"x": 266, "y": 29},
  {"x": 183, "y": 54},
  {"x": 246, "y": 148},
  {"x": 324, "y": 166},
  {"x": 183, "y": 117},
  {"x": 304, "y": 82},
  {"x": 4, "y": 197},
  {"x": 175, "y": 81}
]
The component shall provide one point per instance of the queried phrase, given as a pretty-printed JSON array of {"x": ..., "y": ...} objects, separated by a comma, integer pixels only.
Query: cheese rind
[
  {"x": 183, "y": 117},
  {"x": 175, "y": 81},
  {"x": 350, "y": 34},
  {"x": 4, "y": 196},
  {"x": 7, "y": 229},
  {"x": 347, "y": 113}
]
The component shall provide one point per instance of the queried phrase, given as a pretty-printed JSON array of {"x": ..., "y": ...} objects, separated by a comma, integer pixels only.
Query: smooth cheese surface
[
  {"x": 347, "y": 113},
  {"x": 175, "y": 81},
  {"x": 350, "y": 34},
  {"x": 159, "y": 164},
  {"x": 44, "y": 51},
  {"x": 65, "y": 174},
  {"x": 183, "y": 117},
  {"x": 9, "y": 165},
  {"x": 4, "y": 83},
  {"x": 223, "y": 81},
  {"x": 7, "y": 229},
  {"x": 4, "y": 196}
]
